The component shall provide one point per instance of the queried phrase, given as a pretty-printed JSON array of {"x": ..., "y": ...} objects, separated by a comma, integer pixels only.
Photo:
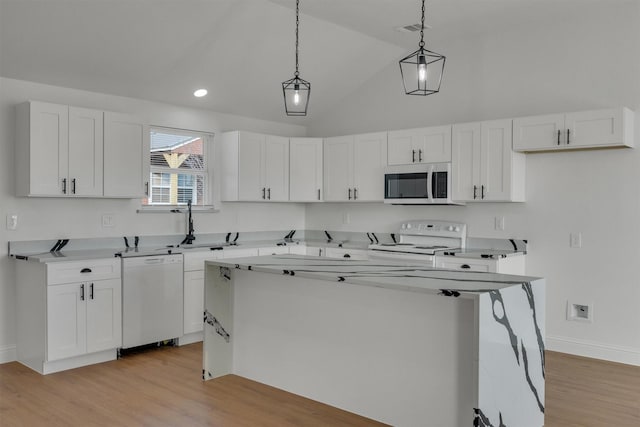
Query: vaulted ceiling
[{"x": 240, "y": 50}]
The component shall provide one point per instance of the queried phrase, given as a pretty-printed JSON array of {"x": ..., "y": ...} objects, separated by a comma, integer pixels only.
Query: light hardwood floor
[{"x": 163, "y": 387}]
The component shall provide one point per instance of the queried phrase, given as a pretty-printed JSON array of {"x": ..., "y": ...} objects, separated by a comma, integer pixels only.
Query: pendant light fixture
[
  {"x": 296, "y": 90},
  {"x": 422, "y": 70}
]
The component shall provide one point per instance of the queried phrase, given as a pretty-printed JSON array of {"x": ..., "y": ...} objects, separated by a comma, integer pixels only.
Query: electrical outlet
[
  {"x": 346, "y": 218},
  {"x": 498, "y": 223},
  {"x": 575, "y": 240},
  {"x": 12, "y": 221},
  {"x": 579, "y": 312},
  {"x": 108, "y": 220}
]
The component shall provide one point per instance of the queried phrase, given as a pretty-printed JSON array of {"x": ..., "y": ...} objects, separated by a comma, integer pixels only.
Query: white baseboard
[
  {"x": 8, "y": 353},
  {"x": 626, "y": 355}
]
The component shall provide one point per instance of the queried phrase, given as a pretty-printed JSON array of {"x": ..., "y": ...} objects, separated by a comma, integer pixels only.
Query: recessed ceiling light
[{"x": 200, "y": 93}]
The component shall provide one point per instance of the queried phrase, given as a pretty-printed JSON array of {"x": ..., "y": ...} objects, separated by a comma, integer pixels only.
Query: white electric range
[{"x": 420, "y": 240}]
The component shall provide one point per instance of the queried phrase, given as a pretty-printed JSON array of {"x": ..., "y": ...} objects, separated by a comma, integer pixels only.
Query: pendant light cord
[
  {"x": 421, "y": 44},
  {"x": 297, "y": 23}
]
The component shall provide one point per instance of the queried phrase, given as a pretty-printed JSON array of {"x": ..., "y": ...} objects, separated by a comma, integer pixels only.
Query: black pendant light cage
[
  {"x": 296, "y": 91},
  {"x": 422, "y": 70}
]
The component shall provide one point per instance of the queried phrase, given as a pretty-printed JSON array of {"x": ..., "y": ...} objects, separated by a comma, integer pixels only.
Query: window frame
[{"x": 207, "y": 173}]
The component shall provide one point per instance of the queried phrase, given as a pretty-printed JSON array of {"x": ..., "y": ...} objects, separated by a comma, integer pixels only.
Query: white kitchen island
[{"x": 396, "y": 342}]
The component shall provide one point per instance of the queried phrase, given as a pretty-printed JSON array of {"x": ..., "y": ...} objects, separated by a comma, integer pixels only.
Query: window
[{"x": 178, "y": 168}]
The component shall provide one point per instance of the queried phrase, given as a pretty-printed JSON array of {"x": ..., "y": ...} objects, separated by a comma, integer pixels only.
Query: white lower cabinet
[
  {"x": 69, "y": 313},
  {"x": 298, "y": 249},
  {"x": 193, "y": 298},
  {"x": 508, "y": 265}
]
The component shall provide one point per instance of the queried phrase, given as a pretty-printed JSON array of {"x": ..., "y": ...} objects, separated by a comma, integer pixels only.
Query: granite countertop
[
  {"x": 79, "y": 255},
  {"x": 388, "y": 274}
]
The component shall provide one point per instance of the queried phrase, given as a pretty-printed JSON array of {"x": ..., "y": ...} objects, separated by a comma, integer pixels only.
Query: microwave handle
[{"x": 429, "y": 183}]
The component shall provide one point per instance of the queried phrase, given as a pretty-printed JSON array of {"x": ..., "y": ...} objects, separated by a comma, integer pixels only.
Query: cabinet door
[
  {"x": 538, "y": 133},
  {"x": 104, "y": 315},
  {"x": 273, "y": 250},
  {"x": 305, "y": 169},
  {"x": 369, "y": 161},
  {"x": 495, "y": 160},
  {"x": 193, "y": 301},
  {"x": 338, "y": 168},
  {"x": 433, "y": 144},
  {"x": 350, "y": 254},
  {"x": 66, "y": 320},
  {"x": 276, "y": 168},
  {"x": 85, "y": 152},
  {"x": 465, "y": 161},
  {"x": 126, "y": 156},
  {"x": 250, "y": 164},
  {"x": 49, "y": 147},
  {"x": 401, "y": 147},
  {"x": 594, "y": 128},
  {"x": 239, "y": 253}
]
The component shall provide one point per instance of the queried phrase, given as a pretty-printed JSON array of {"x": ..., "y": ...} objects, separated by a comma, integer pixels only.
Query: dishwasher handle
[{"x": 154, "y": 261}]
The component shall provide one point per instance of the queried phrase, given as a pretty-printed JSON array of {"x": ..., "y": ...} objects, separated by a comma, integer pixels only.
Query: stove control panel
[{"x": 434, "y": 228}]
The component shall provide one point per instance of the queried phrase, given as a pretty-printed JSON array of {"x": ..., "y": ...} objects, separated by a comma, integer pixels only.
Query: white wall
[
  {"x": 50, "y": 218},
  {"x": 589, "y": 61}
]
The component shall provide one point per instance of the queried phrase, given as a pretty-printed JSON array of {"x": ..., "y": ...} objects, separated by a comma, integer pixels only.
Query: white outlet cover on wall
[{"x": 580, "y": 312}]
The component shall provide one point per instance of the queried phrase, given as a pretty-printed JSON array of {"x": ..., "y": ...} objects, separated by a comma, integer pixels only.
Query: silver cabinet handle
[
  {"x": 355, "y": 194},
  {"x": 482, "y": 192},
  {"x": 413, "y": 156},
  {"x": 419, "y": 155},
  {"x": 73, "y": 186},
  {"x": 475, "y": 192},
  {"x": 82, "y": 292},
  {"x": 269, "y": 193},
  {"x": 64, "y": 185},
  {"x": 558, "y": 136},
  {"x": 568, "y": 136},
  {"x": 318, "y": 194},
  {"x": 146, "y": 188},
  {"x": 349, "y": 194},
  {"x": 264, "y": 190},
  {"x": 465, "y": 266},
  {"x": 346, "y": 256},
  {"x": 91, "y": 291}
]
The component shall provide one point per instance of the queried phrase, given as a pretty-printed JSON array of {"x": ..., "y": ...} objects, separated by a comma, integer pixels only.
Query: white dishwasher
[{"x": 152, "y": 298}]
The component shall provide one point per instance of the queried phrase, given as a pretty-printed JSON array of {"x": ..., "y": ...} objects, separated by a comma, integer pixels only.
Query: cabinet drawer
[
  {"x": 194, "y": 261},
  {"x": 273, "y": 250},
  {"x": 488, "y": 266},
  {"x": 239, "y": 253},
  {"x": 350, "y": 254},
  {"x": 80, "y": 271}
]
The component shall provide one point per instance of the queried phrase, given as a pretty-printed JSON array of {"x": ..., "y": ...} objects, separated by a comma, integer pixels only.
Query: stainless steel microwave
[{"x": 423, "y": 184}]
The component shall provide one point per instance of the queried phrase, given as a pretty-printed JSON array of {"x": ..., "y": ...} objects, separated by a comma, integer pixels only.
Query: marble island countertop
[{"x": 388, "y": 274}]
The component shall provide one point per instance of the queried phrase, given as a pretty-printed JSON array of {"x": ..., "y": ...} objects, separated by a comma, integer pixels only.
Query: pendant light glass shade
[
  {"x": 296, "y": 90},
  {"x": 296, "y": 96},
  {"x": 423, "y": 69}
]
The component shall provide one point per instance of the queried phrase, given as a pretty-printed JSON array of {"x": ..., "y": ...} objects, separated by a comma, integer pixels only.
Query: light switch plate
[
  {"x": 575, "y": 240},
  {"x": 499, "y": 223},
  {"x": 108, "y": 220},
  {"x": 12, "y": 221}
]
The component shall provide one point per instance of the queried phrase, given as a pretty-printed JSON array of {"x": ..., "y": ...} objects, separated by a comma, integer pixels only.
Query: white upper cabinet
[
  {"x": 85, "y": 151},
  {"x": 59, "y": 150},
  {"x": 425, "y": 145},
  {"x": 338, "y": 168},
  {"x": 126, "y": 156},
  {"x": 586, "y": 129},
  {"x": 305, "y": 169},
  {"x": 69, "y": 151},
  {"x": 484, "y": 166},
  {"x": 354, "y": 167},
  {"x": 255, "y": 167}
]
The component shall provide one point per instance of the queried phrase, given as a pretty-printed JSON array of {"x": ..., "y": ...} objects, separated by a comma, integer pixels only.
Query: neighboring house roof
[{"x": 169, "y": 142}]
